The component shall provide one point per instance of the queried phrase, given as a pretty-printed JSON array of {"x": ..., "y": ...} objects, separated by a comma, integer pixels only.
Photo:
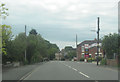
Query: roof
[{"x": 87, "y": 42}]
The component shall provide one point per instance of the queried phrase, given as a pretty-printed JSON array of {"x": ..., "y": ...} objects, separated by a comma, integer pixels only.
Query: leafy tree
[
  {"x": 68, "y": 48},
  {"x": 110, "y": 44},
  {"x": 6, "y": 37},
  {"x": 36, "y": 47},
  {"x": 19, "y": 45},
  {"x": 3, "y": 14},
  {"x": 36, "y": 57},
  {"x": 3, "y": 11},
  {"x": 119, "y": 50},
  {"x": 33, "y": 31},
  {"x": 70, "y": 54},
  {"x": 36, "y": 44},
  {"x": 31, "y": 46},
  {"x": 51, "y": 51}
]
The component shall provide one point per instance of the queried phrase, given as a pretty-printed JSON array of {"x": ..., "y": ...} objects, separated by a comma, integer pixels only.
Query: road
[
  {"x": 68, "y": 70},
  {"x": 18, "y": 72}
]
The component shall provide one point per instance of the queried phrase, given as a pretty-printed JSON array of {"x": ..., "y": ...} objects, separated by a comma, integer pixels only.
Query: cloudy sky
[{"x": 60, "y": 20}]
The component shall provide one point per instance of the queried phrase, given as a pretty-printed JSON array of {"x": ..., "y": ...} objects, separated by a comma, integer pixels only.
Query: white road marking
[
  {"x": 29, "y": 74},
  {"x": 77, "y": 70},
  {"x": 84, "y": 74},
  {"x": 74, "y": 69},
  {"x": 25, "y": 76},
  {"x": 69, "y": 66}
]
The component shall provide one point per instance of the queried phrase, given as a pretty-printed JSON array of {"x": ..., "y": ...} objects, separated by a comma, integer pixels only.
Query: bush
[
  {"x": 103, "y": 62},
  {"x": 82, "y": 59},
  {"x": 93, "y": 59},
  {"x": 89, "y": 59},
  {"x": 63, "y": 59},
  {"x": 25, "y": 62},
  {"x": 100, "y": 58}
]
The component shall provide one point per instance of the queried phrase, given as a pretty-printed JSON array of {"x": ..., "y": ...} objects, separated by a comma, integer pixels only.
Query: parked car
[{"x": 75, "y": 59}]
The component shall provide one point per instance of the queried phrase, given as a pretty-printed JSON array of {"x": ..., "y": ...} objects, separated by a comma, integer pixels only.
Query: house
[{"x": 88, "y": 49}]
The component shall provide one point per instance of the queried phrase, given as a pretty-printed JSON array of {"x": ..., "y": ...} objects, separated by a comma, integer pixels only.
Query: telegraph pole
[
  {"x": 98, "y": 39},
  {"x": 25, "y": 43},
  {"x": 76, "y": 47}
]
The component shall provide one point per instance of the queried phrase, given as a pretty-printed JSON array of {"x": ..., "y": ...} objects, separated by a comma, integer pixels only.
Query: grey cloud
[{"x": 57, "y": 21}]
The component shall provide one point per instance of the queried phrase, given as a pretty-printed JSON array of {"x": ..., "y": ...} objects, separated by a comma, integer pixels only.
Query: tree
[
  {"x": 19, "y": 45},
  {"x": 6, "y": 37},
  {"x": 3, "y": 14},
  {"x": 36, "y": 47},
  {"x": 33, "y": 31},
  {"x": 70, "y": 54},
  {"x": 110, "y": 44},
  {"x": 51, "y": 52},
  {"x": 31, "y": 46},
  {"x": 3, "y": 11},
  {"x": 119, "y": 50},
  {"x": 68, "y": 48}
]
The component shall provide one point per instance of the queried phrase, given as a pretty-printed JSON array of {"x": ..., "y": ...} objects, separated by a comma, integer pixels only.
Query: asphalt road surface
[{"x": 68, "y": 70}]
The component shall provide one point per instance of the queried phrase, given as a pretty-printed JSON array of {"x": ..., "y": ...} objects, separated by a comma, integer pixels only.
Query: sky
[{"x": 60, "y": 20}]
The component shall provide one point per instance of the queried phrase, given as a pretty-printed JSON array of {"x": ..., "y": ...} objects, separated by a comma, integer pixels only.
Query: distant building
[
  {"x": 58, "y": 56},
  {"x": 88, "y": 48}
]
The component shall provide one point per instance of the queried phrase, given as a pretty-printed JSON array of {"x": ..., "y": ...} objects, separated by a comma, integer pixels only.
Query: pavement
[{"x": 68, "y": 70}]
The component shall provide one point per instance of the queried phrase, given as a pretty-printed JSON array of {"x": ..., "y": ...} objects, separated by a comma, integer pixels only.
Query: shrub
[
  {"x": 82, "y": 59},
  {"x": 89, "y": 59},
  {"x": 25, "y": 62},
  {"x": 100, "y": 58},
  {"x": 93, "y": 59},
  {"x": 103, "y": 62},
  {"x": 63, "y": 59}
]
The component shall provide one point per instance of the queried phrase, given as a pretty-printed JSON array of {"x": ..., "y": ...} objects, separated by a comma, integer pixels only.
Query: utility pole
[
  {"x": 25, "y": 43},
  {"x": 76, "y": 47},
  {"x": 98, "y": 40}
]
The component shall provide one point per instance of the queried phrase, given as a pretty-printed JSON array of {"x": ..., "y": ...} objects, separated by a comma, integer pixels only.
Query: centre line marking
[
  {"x": 69, "y": 66},
  {"x": 77, "y": 70},
  {"x": 74, "y": 69},
  {"x": 84, "y": 74}
]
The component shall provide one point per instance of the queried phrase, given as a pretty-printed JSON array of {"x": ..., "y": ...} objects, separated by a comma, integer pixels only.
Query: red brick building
[{"x": 88, "y": 48}]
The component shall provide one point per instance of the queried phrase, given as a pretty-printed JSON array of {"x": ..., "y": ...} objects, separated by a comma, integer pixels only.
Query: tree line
[{"x": 35, "y": 46}]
